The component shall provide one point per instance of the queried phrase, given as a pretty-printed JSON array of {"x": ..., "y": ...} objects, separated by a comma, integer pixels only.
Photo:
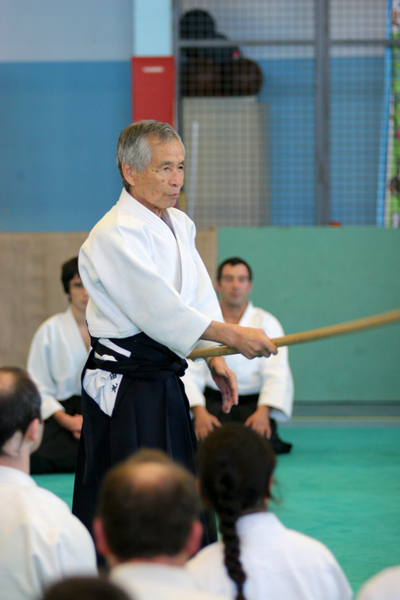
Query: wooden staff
[{"x": 309, "y": 336}]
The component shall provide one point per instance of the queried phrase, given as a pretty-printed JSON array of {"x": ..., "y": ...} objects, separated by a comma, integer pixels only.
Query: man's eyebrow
[{"x": 167, "y": 163}]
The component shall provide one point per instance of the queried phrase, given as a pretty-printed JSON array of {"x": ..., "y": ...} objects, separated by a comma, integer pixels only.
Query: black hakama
[
  {"x": 58, "y": 450},
  {"x": 151, "y": 410}
]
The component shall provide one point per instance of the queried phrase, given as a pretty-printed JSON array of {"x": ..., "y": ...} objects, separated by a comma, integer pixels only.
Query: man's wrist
[
  {"x": 264, "y": 408},
  {"x": 198, "y": 409},
  {"x": 60, "y": 417}
]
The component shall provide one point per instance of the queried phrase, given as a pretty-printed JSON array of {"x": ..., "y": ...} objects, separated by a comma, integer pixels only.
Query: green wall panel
[{"x": 310, "y": 277}]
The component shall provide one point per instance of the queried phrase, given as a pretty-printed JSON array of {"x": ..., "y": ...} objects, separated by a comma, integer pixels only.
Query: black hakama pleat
[
  {"x": 151, "y": 411},
  {"x": 58, "y": 450}
]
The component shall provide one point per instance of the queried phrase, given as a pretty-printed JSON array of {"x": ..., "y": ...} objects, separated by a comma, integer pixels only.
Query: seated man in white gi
[
  {"x": 385, "y": 585},
  {"x": 151, "y": 301},
  {"x": 148, "y": 526},
  {"x": 56, "y": 359},
  {"x": 265, "y": 386},
  {"x": 40, "y": 540}
]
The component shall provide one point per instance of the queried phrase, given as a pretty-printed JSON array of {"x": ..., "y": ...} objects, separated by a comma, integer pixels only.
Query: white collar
[
  {"x": 152, "y": 573},
  {"x": 11, "y": 476},
  {"x": 146, "y": 215}
]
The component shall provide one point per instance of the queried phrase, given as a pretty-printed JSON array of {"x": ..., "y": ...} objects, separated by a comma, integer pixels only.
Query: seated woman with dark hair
[
  {"x": 258, "y": 557},
  {"x": 56, "y": 359}
]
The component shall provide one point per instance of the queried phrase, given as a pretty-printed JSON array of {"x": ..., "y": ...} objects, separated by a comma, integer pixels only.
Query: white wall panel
[{"x": 65, "y": 30}]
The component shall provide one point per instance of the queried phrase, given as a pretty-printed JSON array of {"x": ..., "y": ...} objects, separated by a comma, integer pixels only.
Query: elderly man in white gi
[
  {"x": 265, "y": 386},
  {"x": 150, "y": 302}
]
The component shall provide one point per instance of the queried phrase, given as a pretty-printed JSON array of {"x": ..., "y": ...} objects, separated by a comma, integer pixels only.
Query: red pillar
[{"x": 153, "y": 88}]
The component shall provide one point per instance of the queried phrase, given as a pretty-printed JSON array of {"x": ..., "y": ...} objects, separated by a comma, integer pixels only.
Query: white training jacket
[
  {"x": 279, "y": 563},
  {"x": 143, "y": 274},
  {"x": 271, "y": 377},
  {"x": 41, "y": 542},
  {"x": 56, "y": 359}
]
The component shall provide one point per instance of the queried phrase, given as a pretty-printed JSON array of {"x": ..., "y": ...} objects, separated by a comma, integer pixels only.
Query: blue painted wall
[
  {"x": 357, "y": 87},
  {"x": 65, "y": 95},
  {"x": 59, "y": 125}
]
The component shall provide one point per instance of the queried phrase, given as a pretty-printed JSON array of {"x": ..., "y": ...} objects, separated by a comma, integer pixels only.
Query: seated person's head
[
  {"x": 148, "y": 508},
  {"x": 85, "y": 588},
  {"x": 236, "y": 467},
  {"x": 73, "y": 286},
  {"x": 20, "y": 418},
  {"x": 69, "y": 270},
  {"x": 234, "y": 261},
  {"x": 236, "y": 464}
]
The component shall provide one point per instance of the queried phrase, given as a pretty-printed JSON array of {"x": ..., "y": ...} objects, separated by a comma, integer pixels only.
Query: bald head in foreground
[
  {"x": 40, "y": 540},
  {"x": 148, "y": 526}
]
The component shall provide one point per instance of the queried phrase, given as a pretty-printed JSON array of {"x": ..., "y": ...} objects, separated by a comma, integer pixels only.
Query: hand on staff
[
  {"x": 259, "y": 421},
  {"x": 204, "y": 422},
  {"x": 253, "y": 342},
  {"x": 248, "y": 341}
]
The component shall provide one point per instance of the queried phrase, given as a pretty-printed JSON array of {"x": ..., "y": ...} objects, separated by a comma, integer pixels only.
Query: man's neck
[
  {"x": 167, "y": 561},
  {"x": 20, "y": 463},
  {"x": 79, "y": 315},
  {"x": 233, "y": 314}
]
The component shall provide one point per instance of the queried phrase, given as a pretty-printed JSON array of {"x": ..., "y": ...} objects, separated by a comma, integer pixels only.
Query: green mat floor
[{"x": 340, "y": 486}]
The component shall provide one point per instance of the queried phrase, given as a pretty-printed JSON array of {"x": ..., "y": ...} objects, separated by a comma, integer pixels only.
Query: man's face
[
  {"x": 234, "y": 286},
  {"x": 77, "y": 293},
  {"x": 158, "y": 187}
]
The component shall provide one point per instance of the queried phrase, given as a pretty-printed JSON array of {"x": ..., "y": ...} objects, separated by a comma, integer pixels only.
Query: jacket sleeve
[{"x": 40, "y": 369}]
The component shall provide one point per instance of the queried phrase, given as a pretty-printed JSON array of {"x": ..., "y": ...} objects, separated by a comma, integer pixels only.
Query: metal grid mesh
[{"x": 252, "y": 110}]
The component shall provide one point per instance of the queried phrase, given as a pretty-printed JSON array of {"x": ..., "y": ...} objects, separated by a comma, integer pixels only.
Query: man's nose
[{"x": 176, "y": 178}]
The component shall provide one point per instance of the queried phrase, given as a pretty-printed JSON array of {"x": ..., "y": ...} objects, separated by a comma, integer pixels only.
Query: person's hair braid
[
  {"x": 235, "y": 470},
  {"x": 229, "y": 508}
]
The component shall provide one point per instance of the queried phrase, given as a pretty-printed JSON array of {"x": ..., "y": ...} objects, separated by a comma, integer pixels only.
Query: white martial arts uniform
[
  {"x": 40, "y": 540},
  {"x": 142, "y": 277},
  {"x": 383, "y": 586},
  {"x": 145, "y": 581},
  {"x": 144, "y": 274},
  {"x": 56, "y": 359},
  {"x": 150, "y": 300},
  {"x": 278, "y": 562},
  {"x": 271, "y": 377}
]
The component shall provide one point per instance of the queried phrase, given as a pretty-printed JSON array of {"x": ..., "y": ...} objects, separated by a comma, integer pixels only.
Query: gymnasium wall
[
  {"x": 310, "y": 277},
  {"x": 65, "y": 95},
  {"x": 30, "y": 285},
  {"x": 357, "y": 105}
]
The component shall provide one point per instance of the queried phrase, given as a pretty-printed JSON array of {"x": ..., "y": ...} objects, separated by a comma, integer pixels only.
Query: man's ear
[
  {"x": 34, "y": 431},
  {"x": 129, "y": 173},
  {"x": 34, "y": 434},
  {"x": 194, "y": 540},
  {"x": 100, "y": 537}
]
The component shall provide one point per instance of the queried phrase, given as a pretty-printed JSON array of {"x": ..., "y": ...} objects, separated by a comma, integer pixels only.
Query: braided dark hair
[{"x": 235, "y": 469}]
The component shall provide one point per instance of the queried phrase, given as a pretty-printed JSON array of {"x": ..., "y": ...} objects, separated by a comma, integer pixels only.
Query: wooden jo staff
[{"x": 309, "y": 336}]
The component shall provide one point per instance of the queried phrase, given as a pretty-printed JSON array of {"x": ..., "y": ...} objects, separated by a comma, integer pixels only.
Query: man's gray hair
[{"x": 133, "y": 146}]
